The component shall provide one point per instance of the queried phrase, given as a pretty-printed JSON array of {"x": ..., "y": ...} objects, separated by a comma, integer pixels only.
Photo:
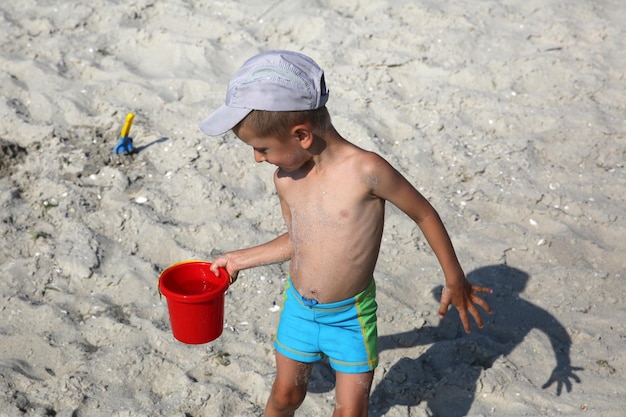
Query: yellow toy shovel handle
[{"x": 129, "y": 122}]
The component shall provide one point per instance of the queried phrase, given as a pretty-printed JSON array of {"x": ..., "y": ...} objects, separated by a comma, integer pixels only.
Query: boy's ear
[{"x": 304, "y": 134}]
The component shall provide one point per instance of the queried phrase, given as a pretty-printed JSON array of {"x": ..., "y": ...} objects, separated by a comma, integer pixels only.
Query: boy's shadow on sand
[{"x": 445, "y": 376}]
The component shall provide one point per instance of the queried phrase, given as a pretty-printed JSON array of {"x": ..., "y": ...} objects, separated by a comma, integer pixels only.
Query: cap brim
[{"x": 222, "y": 120}]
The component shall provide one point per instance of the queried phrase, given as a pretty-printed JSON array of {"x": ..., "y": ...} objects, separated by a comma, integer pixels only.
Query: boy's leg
[
  {"x": 352, "y": 393},
  {"x": 289, "y": 389}
]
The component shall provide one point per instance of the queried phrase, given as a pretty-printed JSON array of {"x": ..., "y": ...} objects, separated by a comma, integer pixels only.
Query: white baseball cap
[{"x": 274, "y": 81}]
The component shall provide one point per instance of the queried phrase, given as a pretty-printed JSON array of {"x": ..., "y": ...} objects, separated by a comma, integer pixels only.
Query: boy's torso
[{"x": 335, "y": 224}]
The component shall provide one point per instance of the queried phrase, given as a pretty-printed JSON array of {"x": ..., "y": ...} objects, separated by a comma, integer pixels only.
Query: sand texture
[{"x": 509, "y": 116}]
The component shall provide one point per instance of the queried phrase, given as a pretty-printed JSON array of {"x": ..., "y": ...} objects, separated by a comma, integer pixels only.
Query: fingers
[
  {"x": 219, "y": 262},
  {"x": 444, "y": 304},
  {"x": 476, "y": 314},
  {"x": 232, "y": 278},
  {"x": 465, "y": 321},
  {"x": 223, "y": 261},
  {"x": 482, "y": 303},
  {"x": 466, "y": 305},
  {"x": 477, "y": 300},
  {"x": 486, "y": 290},
  {"x": 443, "y": 309},
  {"x": 215, "y": 267}
]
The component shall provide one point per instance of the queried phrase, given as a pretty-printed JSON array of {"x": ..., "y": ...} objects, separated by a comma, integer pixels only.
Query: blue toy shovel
[{"x": 125, "y": 145}]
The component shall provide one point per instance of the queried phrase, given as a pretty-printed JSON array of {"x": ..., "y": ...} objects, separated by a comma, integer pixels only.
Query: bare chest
[{"x": 326, "y": 202}]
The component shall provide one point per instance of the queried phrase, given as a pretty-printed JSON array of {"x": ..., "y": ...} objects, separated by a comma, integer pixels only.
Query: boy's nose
[{"x": 259, "y": 157}]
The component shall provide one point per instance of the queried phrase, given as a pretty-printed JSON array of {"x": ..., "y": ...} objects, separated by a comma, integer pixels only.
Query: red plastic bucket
[{"x": 195, "y": 300}]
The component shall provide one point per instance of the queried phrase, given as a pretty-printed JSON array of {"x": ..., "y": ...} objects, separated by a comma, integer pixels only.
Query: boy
[{"x": 332, "y": 196}]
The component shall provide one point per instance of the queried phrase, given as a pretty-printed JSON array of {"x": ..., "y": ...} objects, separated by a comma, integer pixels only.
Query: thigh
[
  {"x": 292, "y": 378},
  {"x": 353, "y": 394},
  {"x": 349, "y": 337},
  {"x": 295, "y": 336}
]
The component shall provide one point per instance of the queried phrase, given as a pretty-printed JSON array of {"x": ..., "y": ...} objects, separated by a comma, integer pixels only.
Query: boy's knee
[
  {"x": 358, "y": 409},
  {"x": 287, "y": 399},
  {"x": 339, "y": 412}
]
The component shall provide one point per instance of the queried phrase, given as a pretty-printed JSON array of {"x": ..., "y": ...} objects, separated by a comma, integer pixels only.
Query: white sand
[{"x": 510, "y": 116}]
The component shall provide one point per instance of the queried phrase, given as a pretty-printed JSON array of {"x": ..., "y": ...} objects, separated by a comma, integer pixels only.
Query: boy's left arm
[
  {"x": 458, "y": 291},
  {"x": 393, "y": 187}
]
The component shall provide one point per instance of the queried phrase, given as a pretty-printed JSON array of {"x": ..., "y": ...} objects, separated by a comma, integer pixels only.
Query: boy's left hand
[{"x": 464, "y": 297}]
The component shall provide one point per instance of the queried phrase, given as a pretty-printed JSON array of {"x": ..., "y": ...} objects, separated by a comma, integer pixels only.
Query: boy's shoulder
[
  {"x": 351, "y": 150},
  {"x": 360, "y": 163},
  {"x": 366, "y": 160}
]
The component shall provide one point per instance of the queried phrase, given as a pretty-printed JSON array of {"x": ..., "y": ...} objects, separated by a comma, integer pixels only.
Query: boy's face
[{"x": 286, "y": 153}]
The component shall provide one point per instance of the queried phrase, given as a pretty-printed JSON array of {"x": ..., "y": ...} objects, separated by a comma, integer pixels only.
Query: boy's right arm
[{"x": 274, "y": 251}]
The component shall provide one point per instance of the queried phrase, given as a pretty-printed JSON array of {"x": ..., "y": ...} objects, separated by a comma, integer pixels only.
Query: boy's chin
[
  {"x": 289, "y": 169},
  {"x": 293, "y": 168}
]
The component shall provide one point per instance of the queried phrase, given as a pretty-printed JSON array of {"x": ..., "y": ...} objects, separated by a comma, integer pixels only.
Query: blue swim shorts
[{"x": 344, "y": 331}]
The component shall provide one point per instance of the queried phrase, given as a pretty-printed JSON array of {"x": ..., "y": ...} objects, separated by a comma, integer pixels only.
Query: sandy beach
[{"x": 510, "y": 117}]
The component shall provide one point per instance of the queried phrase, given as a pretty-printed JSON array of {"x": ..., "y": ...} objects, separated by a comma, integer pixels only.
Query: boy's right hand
[{"x": 224, "y": 261}]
